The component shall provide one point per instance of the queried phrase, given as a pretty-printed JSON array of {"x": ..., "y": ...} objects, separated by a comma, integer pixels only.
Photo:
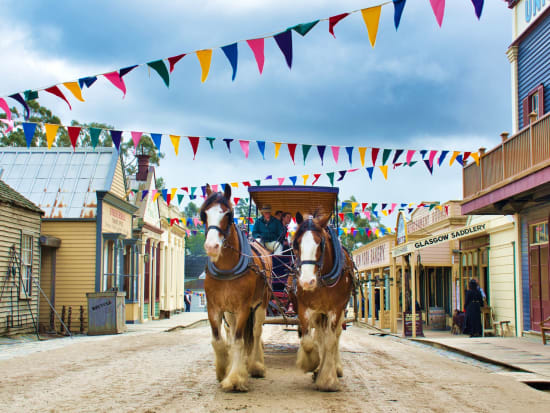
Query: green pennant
[
  {"x": 94, "y": 136},
  {"x": 412, "y": 163},
  {"x": 304, "y": 28},
  {"x": 30, "y": 94},
  {"x": 160, "y": 67},
  {"x": 258, "y": 182},
  {"x": 373, "y": 206},
  {"x": 305, "y": 151},
  {"x": 193, "y": 189},
  {"x": 432, "y": 206},
  {"x": 385, "y": 156},
  {"x": 349, "y": 215},
  {"x": 331, "y": 178},
  {"x": 211, "y": 142},
  {"x": 180, "y": 198}
]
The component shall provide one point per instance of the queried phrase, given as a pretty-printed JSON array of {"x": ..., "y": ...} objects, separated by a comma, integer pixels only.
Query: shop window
[
  {"x": 534, "y": 102},
  {"x": 108, "y": 265},
  {"x": 538, "y": 233},
  {"x": 25, "y": 291}
]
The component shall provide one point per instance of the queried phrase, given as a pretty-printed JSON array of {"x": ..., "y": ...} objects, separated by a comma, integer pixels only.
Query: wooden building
[
  {"x": 86, "y": 227},
  {"x": 19, "y": 262},
  {"x": 514, "y": 177}
]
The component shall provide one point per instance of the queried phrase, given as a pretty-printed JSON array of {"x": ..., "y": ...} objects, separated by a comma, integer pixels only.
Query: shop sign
[
  {"x": 401, "y": 236},
  {"x": 527, "y": 11},
  {"x": 437, "y": 239},
  {"x": 116, "y": 221},
  {"x": 408, "y": 325}
]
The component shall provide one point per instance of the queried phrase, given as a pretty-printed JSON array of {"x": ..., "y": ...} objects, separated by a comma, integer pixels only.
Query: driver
[{"x": 267, "y": 230}]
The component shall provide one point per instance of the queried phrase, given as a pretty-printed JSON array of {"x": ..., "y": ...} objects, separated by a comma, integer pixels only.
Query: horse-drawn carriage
[{"x": 303, "y": 200}]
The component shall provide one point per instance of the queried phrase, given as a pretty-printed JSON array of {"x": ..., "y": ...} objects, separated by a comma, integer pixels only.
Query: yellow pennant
[
  {"x": 362, "y": 151},
  {"x": 74, "y": 88},
  {"x": 345, "y": 231},
  {"x": 51, "y": 132},
  {"x": 156, "y": 196},
  {"x": 175, "y": 142},
  {"x": 475, "y": 155},
  {"x": 439, "y": 207},
  {"x": 277, "y": 148},
  {"x": 234, "y": 184},
  {"x": 384, "y": 170},
  {"x": 371, "y": 16},
  {"x": 455, "y": 154},
  {"x": 353, "y": 206},
  {"x": 205, "y": 57},
  {"x": 305, "y": 178},
  {"x": 173, "y": 192},
  {"x": 385, "y": 212},
  {"x": 377, "y": 232}
]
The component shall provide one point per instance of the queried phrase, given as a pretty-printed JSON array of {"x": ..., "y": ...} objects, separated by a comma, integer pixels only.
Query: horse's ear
[
  {"x": 208, "y": 190},
  {"x": 322, "y": 220},
  {"x": 227, "y": 192},
  {"x": 299, "y": 218}
]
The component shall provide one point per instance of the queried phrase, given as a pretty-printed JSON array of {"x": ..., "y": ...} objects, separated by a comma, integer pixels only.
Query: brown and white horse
[
  {"x": 324, "y": 286},
  {"x": 236, "y": 286}
]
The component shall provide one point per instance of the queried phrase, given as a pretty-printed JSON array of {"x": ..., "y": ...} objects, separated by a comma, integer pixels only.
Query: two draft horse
[
  {"x": 324, "y": 286},
  {"x": 237, "y": 291}
]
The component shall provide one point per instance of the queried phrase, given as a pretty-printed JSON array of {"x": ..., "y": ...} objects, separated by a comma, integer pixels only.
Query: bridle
[
  {"x": 318, "y": 263},
  {"x": 224, "y": 233}
]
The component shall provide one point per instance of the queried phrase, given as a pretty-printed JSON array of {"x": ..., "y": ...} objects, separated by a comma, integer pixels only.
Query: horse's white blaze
[
  {"x": 213, "y": 241},
  {"x": 308, "y": 252}
]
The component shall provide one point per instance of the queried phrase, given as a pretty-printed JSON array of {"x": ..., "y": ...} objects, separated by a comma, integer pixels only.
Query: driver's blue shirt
[{"x": 268, "y": 230}]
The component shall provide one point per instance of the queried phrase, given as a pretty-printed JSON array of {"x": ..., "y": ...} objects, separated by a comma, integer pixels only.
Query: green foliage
[
  {"x": 195, "y": 244},
  {"x": 352, "y": 220},
  {"x": 191, "y": 210}
]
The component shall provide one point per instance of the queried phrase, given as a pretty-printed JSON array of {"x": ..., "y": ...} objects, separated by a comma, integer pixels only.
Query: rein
[{"x": 242, "y": 265}]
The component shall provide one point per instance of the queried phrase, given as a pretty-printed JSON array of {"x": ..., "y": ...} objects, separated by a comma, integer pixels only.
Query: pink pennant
[
  {"x": 116, "y": 80},
  {"x": 257, "y": 46},
  {"x": 214, "y": 187},
  {"x": 280, "y": 180},
  {"x": 9, "y": 123},
  {"x": 438, "y": 6},
  {"x": 335, "y": 152},
  {"x": 353, "y": 170},
  {"x": 194, "y": 140},
  {"x": 432, "y": 157},
  {"x": 245, "y": 146},
  {"x": 54, "y": 90},
  {"x": 73, "y": 132},
  {"x": 8, "y": 120},
  {"x": 410, "y": 154},
  {"x": 136, "y": 137},
  {"x": 368, "y": 215}
]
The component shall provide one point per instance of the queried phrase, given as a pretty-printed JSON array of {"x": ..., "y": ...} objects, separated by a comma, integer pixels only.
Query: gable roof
[
  {"x": 62, "y": 182},
  {"x": 11, "y": 196}
]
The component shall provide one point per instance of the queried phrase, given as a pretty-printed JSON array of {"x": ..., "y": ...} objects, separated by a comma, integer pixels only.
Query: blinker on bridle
[
  {"x": 221, "y": 231},
  {"x": 318, "y": 262}
]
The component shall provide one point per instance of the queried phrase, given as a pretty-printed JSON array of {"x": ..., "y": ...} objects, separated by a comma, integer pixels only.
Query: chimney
[
  {"x": 504, "y": 136},
  {"x": 143, "y": 167}
]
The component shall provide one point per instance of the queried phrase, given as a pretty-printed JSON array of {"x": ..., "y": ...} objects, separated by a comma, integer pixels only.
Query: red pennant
[
  {"x": 168, "y": 200},
  {"x": 194, "y": 140},
  {"x": 236, "y": 200},
  {"x": 54, "y": 90},
  {"x": 246, "y": 183},
  {"x": 332, "y": 21},
  {"x": 317, "y": 176},
  {"x": 73, "y": 131},
  {"x": 173, "y": 60},
  {"x": 184, "y": 188},
  {"x": 466, "y": 156},
  {"x": 364, "y": 205},
  {"x": 292, "y": 150},
  {"x": 341, "y": 215},
  {"x": 251, "y": 220},
  {"x": 374, "y": 152}
]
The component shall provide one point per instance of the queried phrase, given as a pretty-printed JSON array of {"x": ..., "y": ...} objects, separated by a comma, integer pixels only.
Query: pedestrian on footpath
[
  {"x": 187, "y": 301},
  {"x": 473, "y": 304}
]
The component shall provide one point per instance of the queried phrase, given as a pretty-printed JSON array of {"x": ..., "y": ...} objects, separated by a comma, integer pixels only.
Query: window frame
[
  {"x": 26, "y": 269},
  {"x": 527, "y": 104}
]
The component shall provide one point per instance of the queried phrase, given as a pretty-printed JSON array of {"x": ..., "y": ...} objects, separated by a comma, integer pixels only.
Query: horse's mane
[
  {"x": 214, "y": 198},
  {"x": 307, "y": 225}
]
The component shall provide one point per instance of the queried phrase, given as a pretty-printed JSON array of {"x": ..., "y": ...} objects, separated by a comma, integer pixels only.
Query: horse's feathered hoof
[
  {"x": 339, "y": 371},
  {"x": 257, "y": 370},
  {"x": 234, "y": 384},
  {"x": 328, "y": 385}
]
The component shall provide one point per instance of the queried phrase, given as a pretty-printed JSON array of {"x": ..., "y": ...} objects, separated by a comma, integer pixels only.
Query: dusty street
[{"x": 173, "y": 371}]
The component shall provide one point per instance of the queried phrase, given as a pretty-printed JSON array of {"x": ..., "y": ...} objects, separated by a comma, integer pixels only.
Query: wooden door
[
  {"x": 544, "y": 282},
  {"x": 534, "y": 287}
]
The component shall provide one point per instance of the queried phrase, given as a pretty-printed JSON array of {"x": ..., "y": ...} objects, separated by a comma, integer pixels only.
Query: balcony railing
[{"x": 515, "y": 157}]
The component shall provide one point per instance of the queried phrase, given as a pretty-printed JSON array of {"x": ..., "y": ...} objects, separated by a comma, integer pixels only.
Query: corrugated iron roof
[
  {"x": 11, "y": 196},
  {"x": 62, "y": 182}
]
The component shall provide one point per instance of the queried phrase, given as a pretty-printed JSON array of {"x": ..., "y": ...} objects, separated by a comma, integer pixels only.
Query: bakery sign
[
  {"x": 437, "y": 239},
  {"x": 116, "y": 221}
]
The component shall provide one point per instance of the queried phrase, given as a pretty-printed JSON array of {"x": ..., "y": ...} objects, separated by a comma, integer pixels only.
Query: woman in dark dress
[{"x": 473, "y": 305}]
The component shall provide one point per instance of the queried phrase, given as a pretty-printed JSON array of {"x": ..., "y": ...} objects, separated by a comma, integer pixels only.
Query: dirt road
[{"x": 174, "y": 371}]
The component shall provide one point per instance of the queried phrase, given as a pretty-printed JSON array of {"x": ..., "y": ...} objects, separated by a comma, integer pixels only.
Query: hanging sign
[{"x": 401, "y": 236}]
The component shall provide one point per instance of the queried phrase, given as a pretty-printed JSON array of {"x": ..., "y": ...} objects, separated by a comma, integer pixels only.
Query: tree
[
  {"x": 42, "y": 115},
  {"x": 195, "y": 244},
  {"x": 191, "y": 210},
  {"x": 352, "y": 220}
]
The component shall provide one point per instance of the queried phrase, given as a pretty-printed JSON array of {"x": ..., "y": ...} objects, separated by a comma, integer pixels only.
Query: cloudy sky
[{"x": 422, "y": 87}]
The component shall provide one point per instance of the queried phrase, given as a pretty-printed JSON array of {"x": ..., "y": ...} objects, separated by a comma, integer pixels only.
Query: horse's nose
[
  {"x": 309, "y": 284},
  {"x": 211, "y": 248}
]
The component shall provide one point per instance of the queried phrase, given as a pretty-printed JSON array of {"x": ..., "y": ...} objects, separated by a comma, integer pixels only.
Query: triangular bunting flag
[
  {"x": 342, "y": 174},
  {"x": 73, "y": 132},
  {"x": 180, "y": 198},
  {"x": 398, "y": 6},
  {"x": 384, "y": 170},
  {"x": 261, "y": 148},
  {"x": 460, "y": 160},
  {"x": 475, "y": 155},
  {"x": 228, "y": 143},
  {"x": 175, "y": 139},
  {"x": 124, "y": 71},
  {"x": 304, "y": 28},
  {"x": 236, "y": 201},
  {"x": 173, "y": 60},
  {"x": 321, "y": 150},
  {"x": 335, "y": 152},
  {"x": 280, "y": 180},
  {"x": 116, "y": 80},
  {"x": 160, "y": 67},
  {"x": 157, "y": 139},
  {"x": 442, "y": 156},
  {"x": 362, "y": 150},
  {"x": 453, "y": 157},
  {"x": 374, "y": 155},
  {"x": 316, "y": 176},
  {"x": 284, "y": 41},
  {"x": 478, "y": 6},
  {"x": 86, "y": 81},
  {"x": 205, "y": 57},
  {"x": 258, "y": 182},
  {"x": 74, "y": 88},
  {"x": 396, "y": 155},
  {"x": 371, "y": 16},
  {"x": 245, "y": 146},
  {"x": 438, "y": 7},
  {"x": 21, "y": 100},
  {"x": 277, "y": 148},
  {"x": 94, "y": 136},
  {"x": 332, "y": 21},
  {"x": 51, "y": 132},
  {"x": 349, "y": 150},
  {"x": 116, "y": 136},
  {"x": 385, "y": 156},
  {"x": 305, "y": 177},
  {"x": 293, "y": 179},
  {"x": 54, "y": 90},
  {"x": 136, "y": 137},
  {"x": 194, "y": 141},
  {"x": 432, "y": 157},
  {"x": 28, "y": 129},
  {"x": 257, "y": 47},
  {"x": 430, "y": 167},
  {"x": 292, "y": 150},
  {"x": 370, "y": 170},
  {"x": 231, "y": 51},
  {"x": 410, "y": 154},
  {"x": 331, "y": 178},
  {"x": 211, "y": 142},
  {"x": 305, "y": 151}
]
